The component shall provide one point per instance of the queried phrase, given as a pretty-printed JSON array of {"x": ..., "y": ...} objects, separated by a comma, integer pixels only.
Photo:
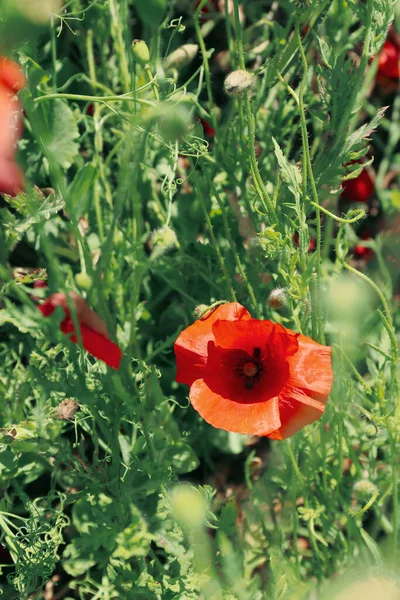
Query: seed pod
[
  {"x": 151, "y": 12},
  {"x": 66, "y": 409},
  {"x": 140, "y": 52}
]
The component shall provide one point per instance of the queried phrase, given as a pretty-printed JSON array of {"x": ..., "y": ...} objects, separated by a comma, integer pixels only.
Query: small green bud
[
  {"x": 188, "y": 506},
  {"x": 140, "y": 52},
  {"x": 83, "y": 281},
  {"x": 239, "y": 83}
]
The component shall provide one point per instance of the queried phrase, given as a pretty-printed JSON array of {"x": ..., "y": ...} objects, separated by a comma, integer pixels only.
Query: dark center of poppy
[{"x": 250, "y": 369}]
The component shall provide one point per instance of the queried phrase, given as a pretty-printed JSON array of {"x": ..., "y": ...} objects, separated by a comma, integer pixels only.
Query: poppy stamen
[{"x": 250, "y": 369}]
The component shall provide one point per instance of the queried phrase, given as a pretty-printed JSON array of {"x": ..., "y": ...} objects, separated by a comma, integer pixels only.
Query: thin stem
[{"x": 206, "y": 65}]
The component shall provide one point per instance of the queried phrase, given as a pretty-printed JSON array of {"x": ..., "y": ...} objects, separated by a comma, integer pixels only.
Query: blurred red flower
[
  {"x": 251, "y": 376},
  {"x": 95, "y": 338},
  {"x": 12, "y": 80},
  {"x": 208, "y": 130},
  {"x": 388, "y": 65},
  {"x": 359, "y": 189}
]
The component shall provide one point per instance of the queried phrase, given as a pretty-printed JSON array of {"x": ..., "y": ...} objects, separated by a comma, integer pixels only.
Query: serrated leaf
[
  {"x": 363, "y": 132},
  {"x": 291, "y": 174},
  {"x": 327, "y": 54},
  {"x": 63, "y": 133}
]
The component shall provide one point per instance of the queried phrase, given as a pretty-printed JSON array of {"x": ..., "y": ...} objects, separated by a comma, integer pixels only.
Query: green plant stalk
[
  {"x": 234, "y": 251},
  {"x": 117, "y": 34},
  {"x": 307, "y": 159},
  {"x": 205, "y": 62},
  {"x": 251, "y": 126},
  {"x": 216, "y": 247}
]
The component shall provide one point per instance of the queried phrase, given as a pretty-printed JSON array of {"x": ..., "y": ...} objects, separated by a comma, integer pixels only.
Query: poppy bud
[
  {"x": 200, "y": 310},
  {"x": 239, "y": 83},
  {"x": 83, "y": 281},
  {"x": 364, "y": 488},
  {"x": 277, "y": 298},
  {"x": 66, "y": 409},
  {"x": 188, "y": 506},
  {"x": 181, "y": 57},
  {"x": 140, "y": 52}
]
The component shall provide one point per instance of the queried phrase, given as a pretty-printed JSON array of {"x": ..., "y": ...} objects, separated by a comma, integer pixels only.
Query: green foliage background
[{"x": 131, "y": 205}]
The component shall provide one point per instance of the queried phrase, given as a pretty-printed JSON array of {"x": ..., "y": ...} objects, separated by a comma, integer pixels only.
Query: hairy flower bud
[
  {"x": 140, "y": 52},
  {"x": 277, "y": 298},
  {"x": 162, "y": 240},
  {"x": 200, "y": 310},
  {"x": 181, "y": 57},
  {"x": 239, "y": 83},
  {"x": 363, "y": 488}
]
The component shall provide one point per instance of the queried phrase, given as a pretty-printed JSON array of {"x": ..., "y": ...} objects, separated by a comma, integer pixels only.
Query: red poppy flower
[
  {"x": 251, "y": 376},
  {"x": 359, "y": 189},
  {"x": 11, "y": 80},
  {"x": 95, "y": 338},
  {"x": 388, "y": 65}
]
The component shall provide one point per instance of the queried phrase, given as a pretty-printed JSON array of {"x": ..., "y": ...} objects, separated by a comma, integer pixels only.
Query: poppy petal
[
  {"x": 253, "y": 333},
  {"x": 311, "y": 368},
  {"x": 94, "y": 343},
  {"x": 11, "y": 75},
  {"x": 191, "y": 345},
  {"x": 258, "y": 418}
]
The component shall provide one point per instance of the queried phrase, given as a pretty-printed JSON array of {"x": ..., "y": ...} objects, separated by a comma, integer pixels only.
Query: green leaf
[
  {"x": 63, "y": 133},
  {"x": 327, "y": 54},
  {"x": 291, "y": 174},
  {"x": 80, "y": 191}
]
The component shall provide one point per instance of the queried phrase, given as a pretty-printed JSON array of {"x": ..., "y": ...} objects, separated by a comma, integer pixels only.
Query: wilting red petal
[
  {"x": 94, "y": 334},
  {"x": 256, "y": 418},
  {"x": 271, "y": 338},
  {"x": 208, "y": 130},
  {"x": 11, "y": 75},
  {"x": 95, "y": 343},
  {"x": 388, "y": 64},
  {"x": 191, "y": 345},
  {"x": 311, "y": 368}
]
